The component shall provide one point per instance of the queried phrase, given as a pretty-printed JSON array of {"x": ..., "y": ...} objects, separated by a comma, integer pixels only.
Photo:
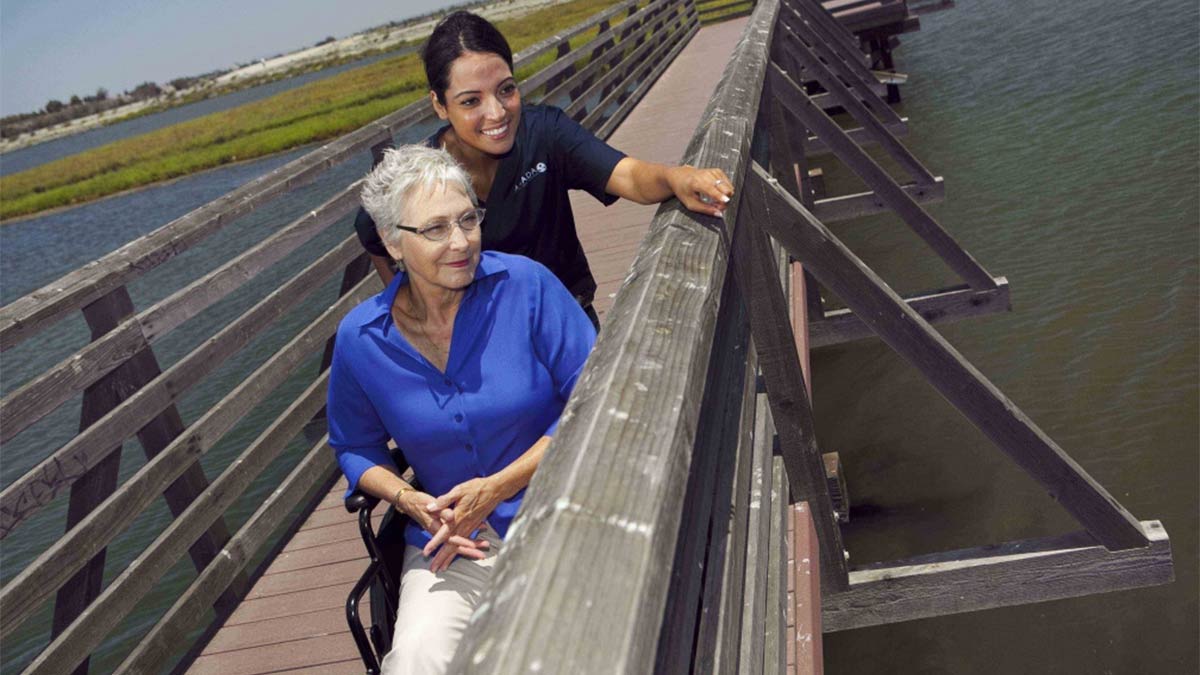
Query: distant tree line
[{"x": 57, "y": 112}]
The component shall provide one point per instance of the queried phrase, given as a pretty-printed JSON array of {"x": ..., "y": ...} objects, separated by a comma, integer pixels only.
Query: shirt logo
[{"x": 529, "y": 175}]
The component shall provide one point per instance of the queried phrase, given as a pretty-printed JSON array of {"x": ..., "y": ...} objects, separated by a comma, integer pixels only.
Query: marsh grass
[{"x": 314, "y": 112}]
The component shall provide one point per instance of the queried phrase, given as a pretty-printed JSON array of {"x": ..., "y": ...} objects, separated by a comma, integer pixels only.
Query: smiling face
[
  {"x": 482, "y": 102},
  {"x": 448, "y": 264}
]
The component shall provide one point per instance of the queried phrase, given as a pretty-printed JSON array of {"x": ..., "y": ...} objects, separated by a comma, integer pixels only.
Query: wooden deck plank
[
  {"x": 304, "y": 652},
  {"x": 321, "y": 536},
  {"x": 279, "y": 583},
  {"x": 279, "y": 630},
  {"x": 264, "y": 608},
  {"x": 317, "y": 556}
]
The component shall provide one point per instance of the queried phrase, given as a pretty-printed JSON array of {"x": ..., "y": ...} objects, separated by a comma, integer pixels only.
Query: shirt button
[
  {"x": 470, "y": 447},
  {"x": 447, "y": 382},
  {"x": 458, "y": 418}
]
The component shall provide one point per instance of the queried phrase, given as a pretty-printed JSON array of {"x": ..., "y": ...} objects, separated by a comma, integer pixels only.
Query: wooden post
[
  {"x": 807, "y": 588},
  {"x": 564, "y": 48},
  {"x": 756, "y": 272},
  {"x": 102, "y": 316}
]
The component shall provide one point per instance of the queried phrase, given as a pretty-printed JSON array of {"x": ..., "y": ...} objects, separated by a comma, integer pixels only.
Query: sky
[{"x": 51, "y": 49}]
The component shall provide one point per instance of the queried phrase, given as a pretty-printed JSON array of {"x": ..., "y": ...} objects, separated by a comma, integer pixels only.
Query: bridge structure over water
[{"x": 686, "y": 520}]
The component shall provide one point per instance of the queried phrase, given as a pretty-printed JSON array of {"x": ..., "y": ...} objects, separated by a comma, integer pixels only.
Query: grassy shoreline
[{"x": 314, "y": 112}]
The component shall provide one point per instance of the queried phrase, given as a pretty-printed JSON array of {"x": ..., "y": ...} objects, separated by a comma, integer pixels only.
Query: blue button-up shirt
[{"x": 520, "y": 341}]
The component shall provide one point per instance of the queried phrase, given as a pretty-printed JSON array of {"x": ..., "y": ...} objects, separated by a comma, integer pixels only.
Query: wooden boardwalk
[{"x": 293, "y": 619}]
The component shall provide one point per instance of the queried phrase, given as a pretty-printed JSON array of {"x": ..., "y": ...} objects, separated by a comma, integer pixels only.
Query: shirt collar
[{"x": 381, "y": 304}]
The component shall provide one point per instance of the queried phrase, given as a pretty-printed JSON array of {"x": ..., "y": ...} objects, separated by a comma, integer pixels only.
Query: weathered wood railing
[
  {"x": 641, "y": 539},
  {"x": 603, "y": 67}
]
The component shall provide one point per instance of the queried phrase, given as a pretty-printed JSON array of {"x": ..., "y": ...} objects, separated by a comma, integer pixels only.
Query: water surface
[{"x": 1068, "y": 137}]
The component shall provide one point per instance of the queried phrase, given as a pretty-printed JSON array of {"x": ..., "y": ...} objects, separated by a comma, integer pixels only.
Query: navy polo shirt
[
  {"x": 528, "y": 211},
  {"x": 519, "y": 343}
]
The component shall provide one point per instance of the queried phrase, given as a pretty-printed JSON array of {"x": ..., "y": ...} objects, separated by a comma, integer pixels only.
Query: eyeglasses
[{"x": 439, "y": 230}]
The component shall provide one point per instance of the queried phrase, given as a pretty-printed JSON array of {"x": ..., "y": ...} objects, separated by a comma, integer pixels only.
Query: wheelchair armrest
[{"x": 359, "y": 500}]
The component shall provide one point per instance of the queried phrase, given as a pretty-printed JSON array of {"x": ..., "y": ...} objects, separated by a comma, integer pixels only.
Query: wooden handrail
[{"x": 596, "y": 536}]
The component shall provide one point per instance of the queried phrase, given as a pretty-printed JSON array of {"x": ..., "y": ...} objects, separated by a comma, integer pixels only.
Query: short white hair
[{"x": 402, "y": 172}]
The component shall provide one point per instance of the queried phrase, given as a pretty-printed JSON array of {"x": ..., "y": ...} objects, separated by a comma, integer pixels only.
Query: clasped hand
[{"x": 453, "y": 517}]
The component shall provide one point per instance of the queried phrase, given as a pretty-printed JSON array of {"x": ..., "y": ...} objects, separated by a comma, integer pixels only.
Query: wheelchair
[{"x": 380, "y": 582}]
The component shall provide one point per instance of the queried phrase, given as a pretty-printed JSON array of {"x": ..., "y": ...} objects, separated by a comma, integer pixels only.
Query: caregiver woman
[{"x": 522, "y": 159}]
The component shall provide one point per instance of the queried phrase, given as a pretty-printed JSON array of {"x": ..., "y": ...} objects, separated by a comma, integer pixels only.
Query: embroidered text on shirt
[{"x": 529, "y": 175}]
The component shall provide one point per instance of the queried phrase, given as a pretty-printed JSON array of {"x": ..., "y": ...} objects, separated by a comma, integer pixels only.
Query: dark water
[
  {"x": 34, "y": 155},
  {"x": 1069, "y": 136}
]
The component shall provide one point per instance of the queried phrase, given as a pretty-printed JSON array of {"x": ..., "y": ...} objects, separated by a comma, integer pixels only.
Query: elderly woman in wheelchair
[{"x": 466, "y": 360}]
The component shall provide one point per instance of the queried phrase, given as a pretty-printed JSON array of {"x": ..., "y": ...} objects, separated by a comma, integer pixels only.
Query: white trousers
[{"x": 435, "y": 608}]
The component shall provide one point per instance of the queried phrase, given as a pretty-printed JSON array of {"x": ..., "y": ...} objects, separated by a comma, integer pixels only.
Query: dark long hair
[{"x": 458, "y": 33}]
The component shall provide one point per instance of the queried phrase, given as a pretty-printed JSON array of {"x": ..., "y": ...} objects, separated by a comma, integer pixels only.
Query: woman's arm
[
  {"x": 701, "y": 190},
  {"x": 464, "y": 508}
]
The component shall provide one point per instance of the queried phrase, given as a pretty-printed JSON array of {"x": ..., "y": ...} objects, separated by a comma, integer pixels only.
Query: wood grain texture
[
  {"x": 758, "y": 276},
  {"x": 699, "y": 552},
  {"x": 775, "y": 623},
  {"x": 719, "y": 633},
  {"x": 809, "y": 654},
  {"x": 942, "y": 306},
  {"x": 758, "y": 527},
  {"x": 1014, "y": 573},
  {"x": 837, "y": 31},
  {"x": 594, "y": 542},
  {"x": 102, "y": 316},
  {"x": 25, "y": 592},
  {"x": 839, "y": 270},
  {"x": 40, "y": 485}
]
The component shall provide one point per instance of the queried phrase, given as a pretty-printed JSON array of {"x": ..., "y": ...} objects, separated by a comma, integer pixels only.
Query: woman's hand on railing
[{"x": 704, "y": 191}]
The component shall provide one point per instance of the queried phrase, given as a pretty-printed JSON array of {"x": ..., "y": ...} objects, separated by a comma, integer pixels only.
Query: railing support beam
[{"x": 877, "y": 305}]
